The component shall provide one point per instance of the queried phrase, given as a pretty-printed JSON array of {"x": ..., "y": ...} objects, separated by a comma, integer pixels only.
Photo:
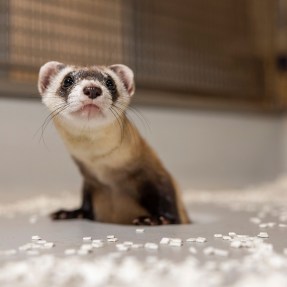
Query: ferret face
[{"x": 93, "y": 95}]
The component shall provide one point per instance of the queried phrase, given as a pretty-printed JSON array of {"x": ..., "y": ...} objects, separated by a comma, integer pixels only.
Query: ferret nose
[{"x": 92, "y": 92}]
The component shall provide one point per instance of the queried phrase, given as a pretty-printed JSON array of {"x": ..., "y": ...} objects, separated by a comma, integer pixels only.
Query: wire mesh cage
[{"x": 188, "y": 48}]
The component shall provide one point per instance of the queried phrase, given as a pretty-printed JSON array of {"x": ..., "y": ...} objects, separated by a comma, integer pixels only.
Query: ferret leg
[
  {"x": 160, "y": 201},
  {"x": 85, "y": 211}
]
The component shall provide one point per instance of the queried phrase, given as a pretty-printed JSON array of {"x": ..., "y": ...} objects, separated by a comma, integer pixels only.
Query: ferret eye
[
  {"x": 111, "y": 85},
  {"x": 68, "y": 81}
]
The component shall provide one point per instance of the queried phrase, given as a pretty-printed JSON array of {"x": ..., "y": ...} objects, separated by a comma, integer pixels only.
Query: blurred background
[{"x": 211, "y": 81}]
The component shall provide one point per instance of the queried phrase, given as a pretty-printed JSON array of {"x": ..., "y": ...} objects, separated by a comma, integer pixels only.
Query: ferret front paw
[
  {"x": 66, "y": 214},
  {"x": 151, "y": 220}
]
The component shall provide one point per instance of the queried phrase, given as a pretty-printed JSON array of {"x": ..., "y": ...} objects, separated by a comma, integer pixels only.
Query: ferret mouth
[{"x": 88, "y": 111}]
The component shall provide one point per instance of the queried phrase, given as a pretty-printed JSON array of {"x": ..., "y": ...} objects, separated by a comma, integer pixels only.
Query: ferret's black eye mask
[
  {"x": 111, "y": 85},
  {"x": 68, "y": 81}
]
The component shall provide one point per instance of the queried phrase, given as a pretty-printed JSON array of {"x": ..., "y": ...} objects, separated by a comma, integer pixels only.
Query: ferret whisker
[
  {"x": 60, "y": 108},
  {"x": 131, "y": 132},
  {"x": 119, "y": 121},
  {"x": 138, "y": 114}
]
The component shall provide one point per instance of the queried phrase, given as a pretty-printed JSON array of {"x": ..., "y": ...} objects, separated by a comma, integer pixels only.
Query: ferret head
[{"x": 86, "y": 95}]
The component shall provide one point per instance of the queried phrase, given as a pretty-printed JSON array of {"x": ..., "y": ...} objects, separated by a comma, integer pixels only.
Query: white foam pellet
[
  {"x": 87, "y": 238},
  {"x": 70, "y": 251},
  {"x": 271, "y": 224},
  {"x": 139, "y": 230},
  {"x": 36, "y": 237},
  {"x": 33, "y": 219},
  {"x": 285, "y": 251},
  {"x": 175, "y": 243},
  {"x": 201, "y": 239},
  {"x": 41, "y": 241},
  {"x": 112, "y": 239},
  {"x": 164, "y": 240},
  {"x": 25, "y": 247},
  {"x": 97, "y": 244},
  {"x": 191, "y": 239},
  {"x": 192, "y": 250},
  {"x": 110, "y": 236},
  {"x": 86, "y": 247},
  {"x": 83, "y": 251},
  {"x": 208, "y": 250},
  {"x": 217, "y": 235},
  {"x": 221, "y": 252},
  {"x": 232, "y": 234},
  {"x": 49, "y": 245},
  {"x": 122, "y": 247},
  {"x": 98, "y": 241},
  {"x": 150, "y": 245},
  {"x": 255, "y": 220},
  {"x": 128, "y": 243},
  {"x": 236, "y": 244},
  {"x": 226, "y": 237},
  {"x": 263, "y": 225},
  {"x": 263, "y": 235},
  {"x": 282, "y": 225}
]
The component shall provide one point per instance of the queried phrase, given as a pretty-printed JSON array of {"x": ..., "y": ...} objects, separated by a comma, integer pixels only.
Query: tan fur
[{"x": 106, "y": 155}]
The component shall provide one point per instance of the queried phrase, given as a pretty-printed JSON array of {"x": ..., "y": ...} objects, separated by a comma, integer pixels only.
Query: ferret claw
[{"x": 151, "y": 220}]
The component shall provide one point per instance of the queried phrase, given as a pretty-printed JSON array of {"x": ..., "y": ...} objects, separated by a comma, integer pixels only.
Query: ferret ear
[
  {"x": 46, "y": 73},
  {"x": 126, "y": 75}
]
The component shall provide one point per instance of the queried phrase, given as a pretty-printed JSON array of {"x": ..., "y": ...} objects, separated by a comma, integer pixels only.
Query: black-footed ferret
[{"x": 123, "y": 180}]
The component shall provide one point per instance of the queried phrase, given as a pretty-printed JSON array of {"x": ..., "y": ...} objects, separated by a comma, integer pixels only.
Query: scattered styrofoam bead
[
  {"x": 36, "y": 237},
  {"x": 128, "y": 243},
  {"x": 110, "y": 236},
  {"x": 192, "y": 239},
  {"x": 164, "y": 240},
  {"x": 87, "y": 238},
  {"x": 70, "y": 251},
  {"x": 192, "y": 250},
  {"x": 122, "y": 247},
  {"x": 86, "y": 247},
  {"x": 271, "y": 224},
  {"x": 33, "y": 219},
  {"x": 217, "y": 235},
  {"x": 96, "y": 241},
  {"x": 226, "y": 237},
  {"x": 236, "y": 244},
  {"x": 112, "y": 239},
  {"x": 83, "y": 251},
  {"x": 97, "y": 244},
  {"x": 41, "y": 241},
  {"x": 201, "y": 239},
  {"x": 25, "y": 247},
  {"x": 232, "y": 234},
  {"x": 139, "y": 230},
  {"x": 175, "y": 243},
  {"x": 263, "y": 235},
  {"x": 242, "y": 236},
  {"x": 221, "y": 252},
  {"x": 49, "y": 245},
  {"x": 263, "y": 225},
  {"x": 150, "y": 245},
  {"x": 285, "y": 251},
  {"x": 208, "y": 250},
  {"x": 282, "y": 225},
  {"x": 255, "y": 220}
]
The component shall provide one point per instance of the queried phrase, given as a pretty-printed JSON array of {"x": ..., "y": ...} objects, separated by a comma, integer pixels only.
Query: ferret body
[{"x": 124, "y": 182}]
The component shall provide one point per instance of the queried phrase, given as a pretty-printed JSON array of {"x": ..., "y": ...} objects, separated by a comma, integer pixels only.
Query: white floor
[{"x": 36, "y": 179}]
